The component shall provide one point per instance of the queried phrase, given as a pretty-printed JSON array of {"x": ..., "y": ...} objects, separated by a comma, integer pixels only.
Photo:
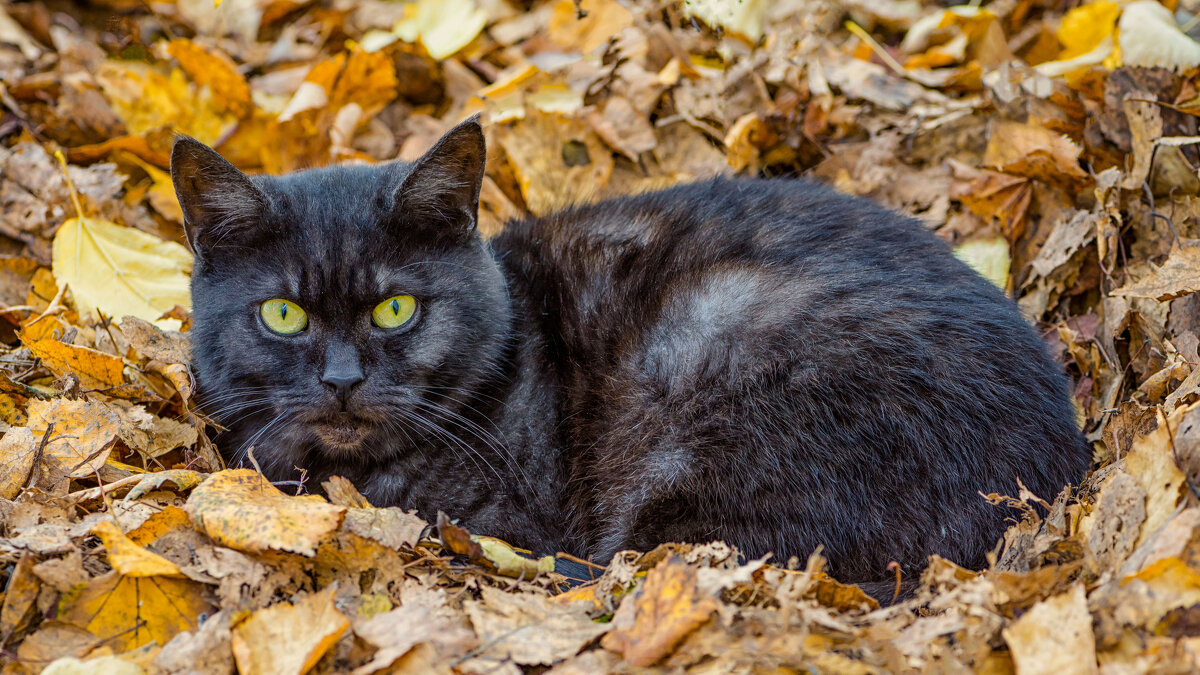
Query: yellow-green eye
[
  {"x": 394, "y": 312},
  {"x": 283, "y": 316}
]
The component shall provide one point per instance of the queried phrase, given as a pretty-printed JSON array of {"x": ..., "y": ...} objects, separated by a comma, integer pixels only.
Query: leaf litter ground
[{"x": 1054, "y": 145}]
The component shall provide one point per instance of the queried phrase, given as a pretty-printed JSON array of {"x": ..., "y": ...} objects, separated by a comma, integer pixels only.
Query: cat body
[{"x": 768, "y": 363}]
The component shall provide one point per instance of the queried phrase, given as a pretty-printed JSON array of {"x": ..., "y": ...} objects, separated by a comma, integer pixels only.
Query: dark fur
[{"x": 765, "y": 362}]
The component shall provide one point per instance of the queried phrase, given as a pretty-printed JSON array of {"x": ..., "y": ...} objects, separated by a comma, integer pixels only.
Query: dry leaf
[
  {"x": 129, "y": 558},
  {"x": 213, "y": 69},
  {"x": 242, "y": 510},
  {"x": 95, "y": 370},
  {"x": 529, "y": 629},
  {"x": 128, "y": 612},
  {"x": 18, "y": 450},
  {"x": 1055, "y": 637},
  {"x": 288, "y": 638},
  {"x": 83, "y": 436},
  {"x": 119, "y": 270},
  {"x": 1178, "y": 276},
  {"x": 652, "y": 621}
]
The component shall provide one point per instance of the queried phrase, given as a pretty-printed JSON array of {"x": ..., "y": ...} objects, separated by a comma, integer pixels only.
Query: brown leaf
[
  {"x": 95, "y": 370},
  {"x": 240, "y": 509},
  {"x": 83, "y": 436},
  {"x": 529, "y": 629},
  {"x": 652, "y": 621},
  {"x": 1178, "y": 276},
  {"x": 394, "y": 633},
  {"x": 288, "y": 638},
  {"x": 1055, "y": 637}
]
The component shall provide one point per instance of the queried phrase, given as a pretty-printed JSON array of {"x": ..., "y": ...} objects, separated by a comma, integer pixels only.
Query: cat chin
[{"x": 340, "y": 439}]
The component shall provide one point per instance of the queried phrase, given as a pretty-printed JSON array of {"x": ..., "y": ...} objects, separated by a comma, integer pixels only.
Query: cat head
[{"x": 338, "y": 310}]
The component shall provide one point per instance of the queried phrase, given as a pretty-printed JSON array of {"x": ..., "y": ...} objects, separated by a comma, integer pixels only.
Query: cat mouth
[{"x": 342, "y": 432}]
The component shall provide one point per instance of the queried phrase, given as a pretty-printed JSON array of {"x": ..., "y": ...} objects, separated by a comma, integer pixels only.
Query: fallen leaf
[
  {"x": 208, "y": 649},
  {"x": 587, "y": 25},
  {"x": 394, "y": 633},
  {"x": 1150, "y": 37},
  {"x": 988, "y": 257},
  {"x": 288, "y": 638},
  {"x": 183, "y": 479},
  {"x": 651, "y": 622},
  {"x": 1054, "y": 637},
  {"x": 119, "y": 270},
  {"x": 95, "y": 370},
  {"x": 129, "y": 558},
  {"x": 18, "y": 450},
  {"x": 83, "y": 436},
  {"x": 19, "y": 596},
  {"x": 242, "y": 510},
  {"x": 1178, "y": 276},
  {"x": 213, "y": 69},
  {"x": 442, "y": 26},
  {"x": 128, "y": 612},
  {"x": 529, "y": 629}
]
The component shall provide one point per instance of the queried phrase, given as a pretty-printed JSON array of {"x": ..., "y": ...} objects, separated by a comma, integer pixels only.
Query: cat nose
[
  {"x": 342, "y": 370},
  {"x": 342, "y": 383}
]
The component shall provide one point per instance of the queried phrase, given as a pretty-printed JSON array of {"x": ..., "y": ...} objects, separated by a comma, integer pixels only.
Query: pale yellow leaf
[
  {"x": 129, "y": 558},
  {"x": 120, "y": 270},
  {"x": 443, "y": 26}
]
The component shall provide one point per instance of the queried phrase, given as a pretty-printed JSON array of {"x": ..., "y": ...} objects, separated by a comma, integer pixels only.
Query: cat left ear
[
  {"x": 217, "y": 199},
  {"x": 442, "y": 188}
]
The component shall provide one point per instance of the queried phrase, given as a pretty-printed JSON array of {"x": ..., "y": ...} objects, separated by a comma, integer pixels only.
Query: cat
[{"x": 764, "y": 362}]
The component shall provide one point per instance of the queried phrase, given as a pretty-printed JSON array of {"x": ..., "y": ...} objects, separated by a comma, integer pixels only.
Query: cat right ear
[{"x": 217, "y": 199}]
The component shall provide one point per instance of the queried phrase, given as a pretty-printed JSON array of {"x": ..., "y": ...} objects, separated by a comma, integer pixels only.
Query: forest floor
[{"x": 1054, "y": 144}]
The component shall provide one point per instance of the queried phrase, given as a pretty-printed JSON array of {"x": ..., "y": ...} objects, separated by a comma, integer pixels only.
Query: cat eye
[
  {"x": 394, "y": 312},
  {"x": 283, "y": 316}
]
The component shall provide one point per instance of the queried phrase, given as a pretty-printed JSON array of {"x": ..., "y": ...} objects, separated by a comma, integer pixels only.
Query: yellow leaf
[
  {"x": 443, "y": 26},
  {"x": 162, "y": 189},
  {"x": 287, "y": 639},
  {"x": 1054, "y": 637},
  {"x": 216, "y": 71},
  {"x": 128, "y": 612},
  {"x": 146, "y": 100},
  {"x": 668, "y": 607},
  {"x": 242, "y": 510},
  {"x": 739, "y": 16},
  {"x": 95, "y": 370},
  {"x": 1084, "y": 28},
  {"x": 587, "y": 25},
  {"x": 83, "y": 436},
  {"x": 169, "y": 519},
  {"x": 557, "y": 160},
  {"x": 18, "y": 449},
  {"x": 988, "y": 257},
  {"x": 129, "y": 558},
  {"x": 120, "y": 270}
]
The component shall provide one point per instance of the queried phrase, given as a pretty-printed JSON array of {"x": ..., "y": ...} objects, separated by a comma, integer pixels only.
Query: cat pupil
[
  {"x": 395, "y": 306},
  {"x": 283, "y": 311}
]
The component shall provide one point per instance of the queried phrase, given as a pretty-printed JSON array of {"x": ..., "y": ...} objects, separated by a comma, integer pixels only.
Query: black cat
[{"x": 765, "y": 362}]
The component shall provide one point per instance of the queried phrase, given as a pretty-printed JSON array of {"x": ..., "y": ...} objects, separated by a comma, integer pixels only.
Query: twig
[{"x": 98, "y": 492}]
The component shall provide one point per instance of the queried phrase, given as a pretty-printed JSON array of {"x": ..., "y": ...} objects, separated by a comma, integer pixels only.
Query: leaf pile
[{"x": 1053, "y": 144}]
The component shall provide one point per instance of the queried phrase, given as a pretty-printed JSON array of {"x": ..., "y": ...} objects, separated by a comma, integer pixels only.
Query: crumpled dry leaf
[
  {"x": 651, "y": 621},
  {"x": 394, "y": 633},
  {"x": 289, "y": 637},
  {"x": 507, "y": 623},
  {"x": 1178, "y": 276},
  {"x": 240, "y": 509},
  {"x": 83, "y": 436},
  {"x": 1150, "y": 37},
  {"x": 18, "y": 450},
  {"x": 1055, "y": 636}
]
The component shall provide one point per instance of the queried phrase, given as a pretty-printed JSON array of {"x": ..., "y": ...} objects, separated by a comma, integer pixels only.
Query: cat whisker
[
  {"x": 479, "y": 432},
  {"x": 446, "y": 434}
]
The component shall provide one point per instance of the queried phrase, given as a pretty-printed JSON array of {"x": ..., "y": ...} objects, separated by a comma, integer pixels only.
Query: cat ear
[
  {"x": 442, "y": 187},
  {"x": 216, "y": 198}
]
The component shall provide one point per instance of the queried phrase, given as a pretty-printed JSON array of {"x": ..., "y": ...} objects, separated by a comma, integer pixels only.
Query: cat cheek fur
[{"x": 764, "y": 362}]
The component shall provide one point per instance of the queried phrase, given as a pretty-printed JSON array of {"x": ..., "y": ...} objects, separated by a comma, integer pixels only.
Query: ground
[{"x": 1053, "y": 143}]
